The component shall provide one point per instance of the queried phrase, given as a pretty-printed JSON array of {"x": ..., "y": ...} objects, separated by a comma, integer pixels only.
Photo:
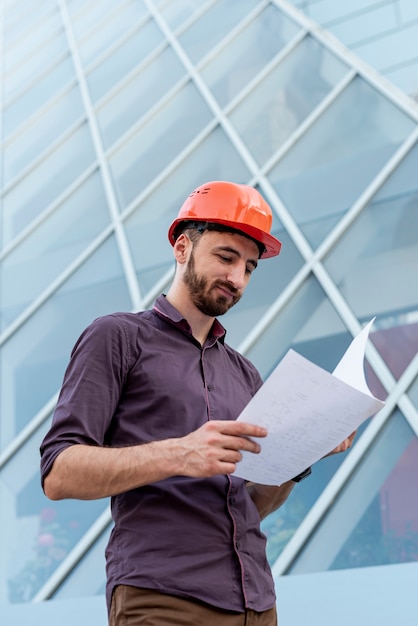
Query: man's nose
[{"x": 237, "y": 276}]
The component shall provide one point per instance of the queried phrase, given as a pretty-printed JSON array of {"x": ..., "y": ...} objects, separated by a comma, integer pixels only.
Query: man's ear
[{"x": 182, "y": 247}]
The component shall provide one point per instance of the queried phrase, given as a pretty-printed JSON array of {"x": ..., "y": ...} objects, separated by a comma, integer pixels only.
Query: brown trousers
[{"x": 143, "y": 607}]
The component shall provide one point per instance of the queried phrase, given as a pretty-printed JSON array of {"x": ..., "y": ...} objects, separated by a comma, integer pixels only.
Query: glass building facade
[{"x": 111, "y": 113}]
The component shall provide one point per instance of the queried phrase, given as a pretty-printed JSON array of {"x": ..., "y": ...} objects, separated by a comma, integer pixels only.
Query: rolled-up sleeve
[{"x": 91, "y": 388}]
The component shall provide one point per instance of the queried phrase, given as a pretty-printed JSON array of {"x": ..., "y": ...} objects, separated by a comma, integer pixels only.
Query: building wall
[{"x": 383, "y": 32}]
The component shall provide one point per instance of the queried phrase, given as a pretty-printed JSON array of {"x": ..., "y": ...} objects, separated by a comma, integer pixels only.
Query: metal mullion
[
  {"x": 147, "y": 116},
  {"x": 275, "y": 308},
  {"x": 235, "y": 139},
  {"x": 44, "y": 215},
  {"x": 393, "y": 93},
  {"x": 350, "y": 319},
  {"x": 338, "y": 481},
  {"x": 117, "y": 44},
  {"x": 191, "y": 20},
  {"x": 74, "y": 557},
  {"x": 309, "y": 121},
  {"x": 56, "y": 284},
  {"x": 43, "y": 156},
  {"x": 24, "y": 435},
  {"x": 236, "y": 30},
  {"x": 130, "y": 75},
  {"x": 164, "y": 173},
  {"x": 374, "y": 186},
  {"x": 121, "y": 239},
  {"x": 265, "y": 71}
]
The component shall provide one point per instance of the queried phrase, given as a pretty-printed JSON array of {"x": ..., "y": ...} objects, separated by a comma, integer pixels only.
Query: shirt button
[{"x": 231, "y": 500}]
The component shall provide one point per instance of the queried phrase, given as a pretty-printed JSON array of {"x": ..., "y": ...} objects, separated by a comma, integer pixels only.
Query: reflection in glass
[
  {"x": 33, "y": 360},
  {"x": 175, "y": 12},
  {"x": 138, "y": 96},
  {"x": 34, "y": 63},
  {"x": 214, "y": 159},
  {"x": 37, "y": 534},
  {"x": 125, "y": 58},
  {"x": 37, "y": 95},
  {"x": 49, "y": 249},
  {"x": 310, "y": 325},
  {"x": 87, "y": 17},
  {"x": 105, "y": 32},
  {"x": 333, "y": 163},
  {"x": 211, "y": 27},
  {"x": 26, "y": 200},
  {"x": 29, "y": 144},
  {"x": 285, "y": 97},
  {"x": 31, "y": 26},
  {"x": 245, "y": 56},
  {"x": 375, "y": 519},
  {"x": 158, "y": 142},
  {"x": 88, "y": 577},
  {"x": 375, "y": 264}
]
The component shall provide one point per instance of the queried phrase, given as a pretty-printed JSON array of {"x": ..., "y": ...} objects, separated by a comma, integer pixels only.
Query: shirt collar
[{"x": 165, "y": 309}]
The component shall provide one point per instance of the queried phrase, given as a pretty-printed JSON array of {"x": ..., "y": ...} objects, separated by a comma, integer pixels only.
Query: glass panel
[
  {"x": 332, "y": 164},
  {"x": 280, "y": 526},
  {"x": 175, "y": 12},
  {"x": 88, "y": 577},
  {"x": 44, "y": 183},
  {"x": 131, "y": 102},
  {"x": 91, "y": 13},
  {"x": 375, "y": 264},
  {"x": 375, "y": 519},
  {"x": 37, "y": 534},
  {"x": 213, "y": 26},
  {"x": 158, "y": 142},
  {"x": 243, "y": 58},
  {"x": 34, "y": 64},
  {"x": 32, "y": 26},
  {"x": 33, "y": 360},
  {"x": 48, "y": 126},
  {"x": 125, "y": 58},
  {"x": 310, "y": 325},
  {"x": 37, "y": 95},
  {"x": 282, "y": 101},
  {"x": 146, "y": 229},
  {"x": 57, "y": 241},
  {"x": 121, "y": 20}
]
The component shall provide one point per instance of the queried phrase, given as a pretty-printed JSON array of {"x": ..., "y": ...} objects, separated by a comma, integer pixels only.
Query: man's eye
[{"x": 226, "y": 259}]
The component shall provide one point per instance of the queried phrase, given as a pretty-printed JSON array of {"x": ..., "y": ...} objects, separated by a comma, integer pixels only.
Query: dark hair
[{"x": 195, "y": 229}]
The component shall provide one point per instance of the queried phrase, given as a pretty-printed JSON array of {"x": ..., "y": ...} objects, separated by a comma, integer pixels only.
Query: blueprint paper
[{"x": 307, "y": 412}]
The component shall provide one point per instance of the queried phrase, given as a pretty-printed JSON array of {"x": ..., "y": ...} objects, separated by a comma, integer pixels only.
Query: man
[{"x": 146, "y": 415}]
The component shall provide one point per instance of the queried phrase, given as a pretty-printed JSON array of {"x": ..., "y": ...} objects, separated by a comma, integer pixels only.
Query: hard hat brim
[{"x": 272, "y": 246}]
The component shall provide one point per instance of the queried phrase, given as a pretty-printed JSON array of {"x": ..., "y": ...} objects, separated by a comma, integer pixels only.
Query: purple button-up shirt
[{"x": 140, "y": 377}]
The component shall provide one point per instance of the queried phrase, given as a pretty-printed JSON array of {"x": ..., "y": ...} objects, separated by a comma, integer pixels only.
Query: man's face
[{"x": 218, "y": 270}]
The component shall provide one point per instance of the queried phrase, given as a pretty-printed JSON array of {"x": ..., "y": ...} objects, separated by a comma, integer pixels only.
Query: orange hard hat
[{"x": 235, "y": 206}]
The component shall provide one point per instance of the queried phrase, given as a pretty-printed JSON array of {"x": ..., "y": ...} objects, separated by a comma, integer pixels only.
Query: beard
[{"x": 203, "y": 295}]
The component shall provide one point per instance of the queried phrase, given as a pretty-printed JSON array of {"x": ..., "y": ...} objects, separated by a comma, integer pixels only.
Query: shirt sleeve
[{"x": 91, "y": 388}]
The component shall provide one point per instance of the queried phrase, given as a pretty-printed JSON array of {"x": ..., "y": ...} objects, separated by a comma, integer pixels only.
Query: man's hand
[
  {"x": 344, "y": 445},
  {"x": 215, "y": 448}
]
